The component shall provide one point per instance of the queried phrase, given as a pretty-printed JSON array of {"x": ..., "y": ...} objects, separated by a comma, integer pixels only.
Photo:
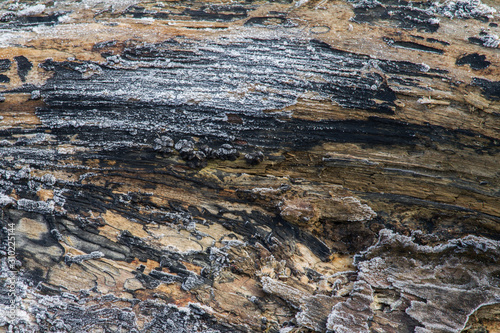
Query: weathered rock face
[{"x": 287, "y": 166}]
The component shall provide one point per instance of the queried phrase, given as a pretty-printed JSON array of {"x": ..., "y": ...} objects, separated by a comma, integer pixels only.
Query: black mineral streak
[
  {"x": 161, "y": 101},
  {"x": 476, "y": 40},
  {"x": 434, "y": 40},
  {"x": 491, "y": 89},
  {"x": 10, "y": 20},
  {"x": 5, "y": 64},
  {"x": 412, "y": 46},
  {"x": 39, "y": 20},
  {"x": 217, "y": 13},
  {"x": 254, "y": 158},
  {"x": 23, "y": 67},
  {"x": 268, "y": 21},
  {"x": 474, "y": 60}
]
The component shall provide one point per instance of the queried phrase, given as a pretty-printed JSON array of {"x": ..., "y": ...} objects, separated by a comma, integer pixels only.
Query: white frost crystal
[{"x": 463, "y": 9}]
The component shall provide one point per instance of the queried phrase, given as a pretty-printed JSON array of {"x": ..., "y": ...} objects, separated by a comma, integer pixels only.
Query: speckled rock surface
[{"x": 249, "y": 166}]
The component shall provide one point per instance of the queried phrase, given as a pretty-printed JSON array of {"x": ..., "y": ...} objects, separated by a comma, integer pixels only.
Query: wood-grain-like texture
[{"x": 250, "y": 166}]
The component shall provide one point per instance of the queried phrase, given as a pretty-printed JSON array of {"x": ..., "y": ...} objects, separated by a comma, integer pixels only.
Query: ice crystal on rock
[{"x": 463, "y": 9}]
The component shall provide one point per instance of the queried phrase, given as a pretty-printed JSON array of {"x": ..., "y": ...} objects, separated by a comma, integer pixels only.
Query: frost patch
[
  {"x": 36, "y": 206},
  {"x": 48, "y": 179},
  {"x": 463, "y": 9},
  {"x": 33, "y": 10},
  {"x": 5, "y": 200},
  {"x": 490, "y": 40},
  {"x": 81, "y": 258}
]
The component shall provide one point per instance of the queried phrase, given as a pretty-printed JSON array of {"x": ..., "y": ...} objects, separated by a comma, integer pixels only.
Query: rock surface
[{"x": 249, "y": 166}]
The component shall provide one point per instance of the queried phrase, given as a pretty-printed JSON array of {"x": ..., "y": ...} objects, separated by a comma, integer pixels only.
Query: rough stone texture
[{"x": 249, "y": 166}]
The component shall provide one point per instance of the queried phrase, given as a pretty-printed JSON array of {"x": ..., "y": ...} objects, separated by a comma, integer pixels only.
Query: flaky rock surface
[{"x": 249, "y": 166}]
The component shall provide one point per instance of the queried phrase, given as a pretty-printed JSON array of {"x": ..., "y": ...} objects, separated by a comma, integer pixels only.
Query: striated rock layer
[{"x": 249, "y": 166}]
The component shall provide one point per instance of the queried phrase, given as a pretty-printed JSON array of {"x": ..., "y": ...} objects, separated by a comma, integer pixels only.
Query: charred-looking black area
[
  {"x": 107, "y": 141},
  {"x": 269, "y": 21},
  {"x": 217, "y": 13},
  {"x": 403, "y": 14},
  {"x": 161, "y": 88},
  {"x": 168, "y": 93},
  {"x": 10, "y": 20},
  {"x": 40, "y": 19},
  {"x": 5, "y": 64},
  {"x": 490, "y": 89},
  {"x": 225, "y": 69},
  {"x": 476, "y": 40},
  {"x": 475, "y": 61},
  {"x": 166, "y": 80},
  {"x": 434, "y": 40},
  {"x": 23, "y": 67},
  {"x": 485, "y": 39}
]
